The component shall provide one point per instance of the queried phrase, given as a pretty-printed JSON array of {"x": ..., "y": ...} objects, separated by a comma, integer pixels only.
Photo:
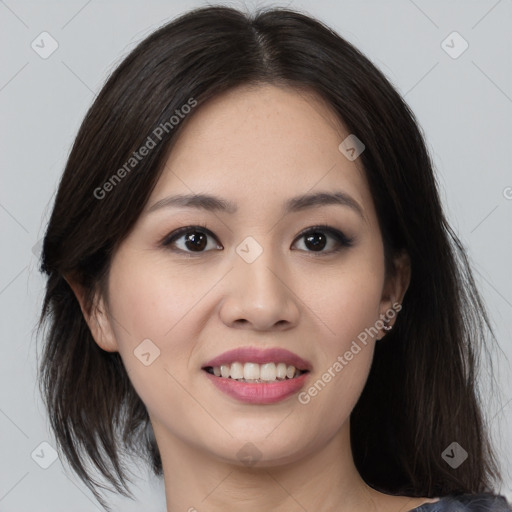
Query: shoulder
[{"x": 483, "y": 502}]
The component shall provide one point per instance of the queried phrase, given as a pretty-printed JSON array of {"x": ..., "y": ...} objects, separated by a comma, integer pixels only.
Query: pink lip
[
  {"x": 260, "y": 356},
  {"x": 256, "y": 393}
]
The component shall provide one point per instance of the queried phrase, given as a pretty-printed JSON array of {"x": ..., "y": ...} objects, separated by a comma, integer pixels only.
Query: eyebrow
[{"x": 295, "y": 204}]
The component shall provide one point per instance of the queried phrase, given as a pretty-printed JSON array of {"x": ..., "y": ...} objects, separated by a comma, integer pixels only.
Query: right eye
[{"x": 190, "y": 239}]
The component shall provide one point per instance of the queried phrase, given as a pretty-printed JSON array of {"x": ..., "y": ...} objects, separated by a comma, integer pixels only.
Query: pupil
[
  {"x": 314, "y": 242},
  {"x": 197, "y": 239}
]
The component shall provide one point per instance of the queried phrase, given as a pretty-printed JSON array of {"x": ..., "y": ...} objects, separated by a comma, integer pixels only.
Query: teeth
[
  {"x": 253, "y": 372},
  {"x": 236, "y": 372},
  {"x": 268, "y": 371},
  {"x": 281, "y": 371}
]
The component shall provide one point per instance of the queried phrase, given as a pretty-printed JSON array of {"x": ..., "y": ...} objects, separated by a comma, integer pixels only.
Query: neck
[{"x": 324, "y": 480}]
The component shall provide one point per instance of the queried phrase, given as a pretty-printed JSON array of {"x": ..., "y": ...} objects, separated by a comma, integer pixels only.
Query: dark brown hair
[{"x": 421, "y": 393}]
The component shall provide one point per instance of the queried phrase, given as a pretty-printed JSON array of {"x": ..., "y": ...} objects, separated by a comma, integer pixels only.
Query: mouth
[
  {"x": 254, "y": 373},
  {"x": 258, "y": 376}
]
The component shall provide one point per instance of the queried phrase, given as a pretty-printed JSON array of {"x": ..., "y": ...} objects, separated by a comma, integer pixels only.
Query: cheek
[
  {"x": 330, "y": 398},
  {"x": 346, "y": 301},
  {"x": 155, "y": 334},
  {"x": 348, "y": 307},
  {"x": 151, "y": 321},
  {"x": 346, "y": 358},
  {"x": 150, "y": 298}
]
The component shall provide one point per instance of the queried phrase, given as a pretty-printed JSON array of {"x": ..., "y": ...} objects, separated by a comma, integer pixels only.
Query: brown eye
[
  {"x": 191, "y": 239},
  {"x": 315, "y": 241},
  {"x": 317, "y": 238},
  {"x": 196, "y": 241}
]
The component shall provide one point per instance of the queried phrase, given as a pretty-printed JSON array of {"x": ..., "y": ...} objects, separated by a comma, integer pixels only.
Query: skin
[{"x": 257, "y": 147}]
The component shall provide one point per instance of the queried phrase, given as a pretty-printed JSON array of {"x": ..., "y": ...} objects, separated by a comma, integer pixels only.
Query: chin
[{"x": 259, "y": 450}]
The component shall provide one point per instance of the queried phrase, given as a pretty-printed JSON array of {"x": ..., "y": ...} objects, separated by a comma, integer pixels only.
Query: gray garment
[{"x": 485, "y": 502}]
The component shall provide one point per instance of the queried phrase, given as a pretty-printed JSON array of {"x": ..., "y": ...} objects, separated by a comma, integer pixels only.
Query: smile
[
  {"x": 258, "y": 376},
  {"x": 254, "y": 372}
]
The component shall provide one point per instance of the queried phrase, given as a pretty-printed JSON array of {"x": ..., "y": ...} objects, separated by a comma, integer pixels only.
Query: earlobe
[{"x": 97, "y": 318}]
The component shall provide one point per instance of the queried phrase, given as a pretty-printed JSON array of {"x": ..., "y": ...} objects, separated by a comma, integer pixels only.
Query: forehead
[{"x": 261, "y": 140}]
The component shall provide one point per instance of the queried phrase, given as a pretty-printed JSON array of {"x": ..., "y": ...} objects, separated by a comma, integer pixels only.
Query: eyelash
[{"x": 342, "y": 240}]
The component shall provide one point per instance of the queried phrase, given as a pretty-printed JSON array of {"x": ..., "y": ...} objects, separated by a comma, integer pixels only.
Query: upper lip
[{"x": 260, "y": 356}]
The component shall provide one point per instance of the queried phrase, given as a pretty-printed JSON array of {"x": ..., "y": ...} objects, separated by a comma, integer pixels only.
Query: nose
[{"x": 259, "y": 296}]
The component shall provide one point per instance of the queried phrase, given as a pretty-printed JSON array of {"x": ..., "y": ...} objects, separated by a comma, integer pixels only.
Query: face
[{"x": 262, "y": 268}]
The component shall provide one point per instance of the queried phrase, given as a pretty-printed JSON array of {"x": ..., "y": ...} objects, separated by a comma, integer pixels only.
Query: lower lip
[{"x": 259, "y": 393}]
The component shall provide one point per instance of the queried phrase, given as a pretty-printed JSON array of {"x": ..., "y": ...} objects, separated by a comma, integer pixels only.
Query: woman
[{"x": 251, "y": 282}]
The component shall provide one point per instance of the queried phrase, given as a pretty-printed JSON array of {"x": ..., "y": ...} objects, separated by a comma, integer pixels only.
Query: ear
[
  {"x": 395, "y": 287},
  {"x": 97, "y": 319}
]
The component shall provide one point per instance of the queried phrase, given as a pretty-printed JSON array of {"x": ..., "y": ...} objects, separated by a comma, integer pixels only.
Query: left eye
[
  {"x": 315, "y": 239},
  {"x": 195, "y": 239}
]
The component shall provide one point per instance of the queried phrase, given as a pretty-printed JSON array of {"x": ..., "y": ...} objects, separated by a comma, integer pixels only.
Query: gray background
[{"x": 463, "y": 104}]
